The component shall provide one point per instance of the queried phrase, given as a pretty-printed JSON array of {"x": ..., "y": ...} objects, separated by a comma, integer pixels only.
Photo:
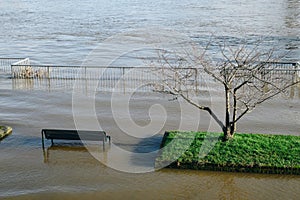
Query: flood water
[
  {"x": 70, "y": 171},
  {"x": 64, "y": 32}
]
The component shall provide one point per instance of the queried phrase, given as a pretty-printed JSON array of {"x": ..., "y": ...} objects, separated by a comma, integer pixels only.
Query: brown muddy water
[
  {"x": 69, "y": 171},
  {"x": 65, "y": 32}
]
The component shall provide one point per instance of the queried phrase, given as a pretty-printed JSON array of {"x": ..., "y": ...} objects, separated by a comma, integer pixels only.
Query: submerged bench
[{"x": 84, "y": 135}]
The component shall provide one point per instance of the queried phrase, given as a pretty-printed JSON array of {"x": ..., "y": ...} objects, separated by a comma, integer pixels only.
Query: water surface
[
  {"x": 68, "y": 170},
  {"x": 64, "y": 33}
]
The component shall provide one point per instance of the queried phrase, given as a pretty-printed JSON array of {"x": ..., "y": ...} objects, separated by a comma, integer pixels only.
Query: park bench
[{"x": 84, "y": 135}]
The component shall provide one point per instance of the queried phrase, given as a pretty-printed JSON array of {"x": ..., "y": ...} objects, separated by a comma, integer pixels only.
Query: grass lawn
[{"x": 244, "y": 153}]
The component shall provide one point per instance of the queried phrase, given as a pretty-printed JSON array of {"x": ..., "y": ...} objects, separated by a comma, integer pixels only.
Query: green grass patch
[{"x": 244, "y": 153}]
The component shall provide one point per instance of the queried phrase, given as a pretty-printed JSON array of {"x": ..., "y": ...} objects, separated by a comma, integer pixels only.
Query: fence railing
[
  {"x": 121, "y": 79},
  {"x": 283, "y": 65},
  {"x": 103, "y": 78},
  {"x": 5, "y": 63}
]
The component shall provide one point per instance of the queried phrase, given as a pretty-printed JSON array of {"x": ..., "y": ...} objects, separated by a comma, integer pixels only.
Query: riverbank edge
[
  {"x": 233, "y": 167},
  {"x": 5, "y": 131}
]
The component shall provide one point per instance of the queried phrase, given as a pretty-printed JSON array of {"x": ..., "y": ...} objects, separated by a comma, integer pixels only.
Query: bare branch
[{"x": 246, "y": 72}]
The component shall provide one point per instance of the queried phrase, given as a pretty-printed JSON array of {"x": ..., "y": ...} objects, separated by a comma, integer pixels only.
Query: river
[{"x": 64, "y": 33}]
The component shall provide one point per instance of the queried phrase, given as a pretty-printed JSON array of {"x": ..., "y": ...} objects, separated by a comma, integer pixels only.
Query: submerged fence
[
  {"x": 5, "y": 63},
  {"x": 119, "y": 79}
]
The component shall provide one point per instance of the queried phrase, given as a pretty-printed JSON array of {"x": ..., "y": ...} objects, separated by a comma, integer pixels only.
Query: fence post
[
  {"x": 124, "y": 85},
  {"x": 86, "y": 87},
  {"x": 297, "y": 68},
  {"x": 11, "y": 71},
  {"x": 48, "y": 74}
]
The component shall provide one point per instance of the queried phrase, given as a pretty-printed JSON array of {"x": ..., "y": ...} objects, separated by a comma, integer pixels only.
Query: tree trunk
[
  {"x": 227, "y": 128},
  {"x": 227, "y": 134},
  {"x": 232, "y": 128}
]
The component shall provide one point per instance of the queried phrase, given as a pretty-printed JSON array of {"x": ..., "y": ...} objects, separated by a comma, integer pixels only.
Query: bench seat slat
[
  {"x": 83, "y": 135},
  {"x": 74, "y": 134}
]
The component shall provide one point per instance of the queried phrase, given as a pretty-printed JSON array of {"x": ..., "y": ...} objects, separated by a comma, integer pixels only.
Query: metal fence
[
  {"x": 5, "y": 63},
  {"x": 120, "y": 79},
  {"x": 277, "y": 70},
  {"x": 284, "y": 65}
]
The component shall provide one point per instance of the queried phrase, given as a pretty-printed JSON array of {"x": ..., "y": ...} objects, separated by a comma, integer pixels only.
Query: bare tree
[{"x": 249, "y": 77}]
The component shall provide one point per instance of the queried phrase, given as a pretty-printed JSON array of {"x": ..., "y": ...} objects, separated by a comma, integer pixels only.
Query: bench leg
[
  {"x": 43, "y": 145},
  {"x": 46, "y": 155},
  {"x": 109, "y": 140},
  {"x": 52, "y": 142}
]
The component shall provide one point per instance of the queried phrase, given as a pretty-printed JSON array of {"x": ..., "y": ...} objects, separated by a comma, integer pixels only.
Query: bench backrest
[{"x": 74, "y": 134}]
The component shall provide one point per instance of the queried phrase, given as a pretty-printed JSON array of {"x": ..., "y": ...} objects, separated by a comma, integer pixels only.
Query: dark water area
[{"x": 64, "y": 33}]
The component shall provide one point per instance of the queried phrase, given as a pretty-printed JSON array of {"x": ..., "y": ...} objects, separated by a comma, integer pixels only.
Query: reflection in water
[
  {"x": 21, "y": 84},
  {"x": 295, "y": 91},
  {"x": 66, "y": 152},
  {"x": 88, "y": 86},
  {"x": 41, "y": 84},
  {"x": 230, "y": 189}
]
